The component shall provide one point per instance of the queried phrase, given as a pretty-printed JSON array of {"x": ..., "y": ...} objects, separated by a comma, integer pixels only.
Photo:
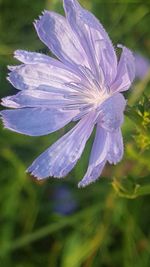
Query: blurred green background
[{"x": 107, "y": 224}]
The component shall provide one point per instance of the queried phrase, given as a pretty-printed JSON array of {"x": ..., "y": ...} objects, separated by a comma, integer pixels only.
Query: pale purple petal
[
  {"x": 34, "y": 58},
  {"x": 62, "y": 156},
  {"x": 97, "y": 158},
  {"x": 115, "y": 152},
  {"x": 55, "y": 100},
  {"x": 125, "y": 71},
  {"x": 94, "y": 40},
  {"x": 42, "y": 77},
  {"x": 36, "y": 98},
  {"x": 81, "y": 73},
  {"x": 57, "y": 34},
  {"x": 111, "y": 112},
  {"x": 35, "y": 121}
]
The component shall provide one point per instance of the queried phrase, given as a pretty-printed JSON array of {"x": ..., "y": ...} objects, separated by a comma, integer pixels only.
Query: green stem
[{"x": 46, "y": 230}]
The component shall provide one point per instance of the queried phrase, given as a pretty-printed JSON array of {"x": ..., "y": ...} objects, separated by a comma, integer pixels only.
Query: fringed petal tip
[
  {"x": 33, "y": 174},
  {"x": 19, "y": 53},
  {"x": 3, "y": 118},
  {"x": 92, "y": 175},
  {"x": 44, "y": 12},
  {"x": 36, "y": 23},
  {"x": 124, "y": 47},
  {"x": 115, "y": 161},
  {"x": 7, "y": 102},
  {"x": 83, "y": 183},
  {"x": 8, "y": 78},
  {"x": 11, "y": 68},
  {"x": 2, "y": 102},
  {"x": 127, "y": 51},
  {"x": 7, "y": 123},
  {"x": 128, "y": 54}
]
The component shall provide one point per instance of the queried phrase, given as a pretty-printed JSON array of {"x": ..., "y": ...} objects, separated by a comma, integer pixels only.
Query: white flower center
[{"x": 97, "y": 97}]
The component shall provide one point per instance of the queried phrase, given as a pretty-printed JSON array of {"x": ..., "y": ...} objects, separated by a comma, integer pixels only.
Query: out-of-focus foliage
[{"x": 110, "y": 225}]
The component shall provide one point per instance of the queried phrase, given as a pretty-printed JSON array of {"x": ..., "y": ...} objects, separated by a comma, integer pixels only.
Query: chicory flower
[
  {"x": 83, "y": 85},
  {"x": 142, "y": 66}
]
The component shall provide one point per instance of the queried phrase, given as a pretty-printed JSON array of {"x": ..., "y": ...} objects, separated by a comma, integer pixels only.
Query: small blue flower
[
  {"x": 64, "y": 201},
  {"x": 83, "y": 85}
]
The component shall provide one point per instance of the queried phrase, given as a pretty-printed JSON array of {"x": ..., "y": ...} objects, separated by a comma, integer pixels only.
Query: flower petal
[
  {"x": 116, "y": 149},
  {"x": 41, "y": 76},
  {"x": 111, "y": 112},
  {"x": 97, "y": 158},
  {"x": 36, "y": 98},
  {"x": 35, "y": 121},
  {"x": 94, "y": 40},
  {"x": 125, "y": 71},
  {"x": 57, "y": 34},
  {"x": 62, "y": 156},
  {"x": 34, "y": 58}
]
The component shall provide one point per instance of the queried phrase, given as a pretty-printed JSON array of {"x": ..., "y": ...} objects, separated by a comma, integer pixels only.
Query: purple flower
[
  {"x": 142, "y": 66},
  {"x": 84, "y": 85},
  {"x": 64, "y": 201}
]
